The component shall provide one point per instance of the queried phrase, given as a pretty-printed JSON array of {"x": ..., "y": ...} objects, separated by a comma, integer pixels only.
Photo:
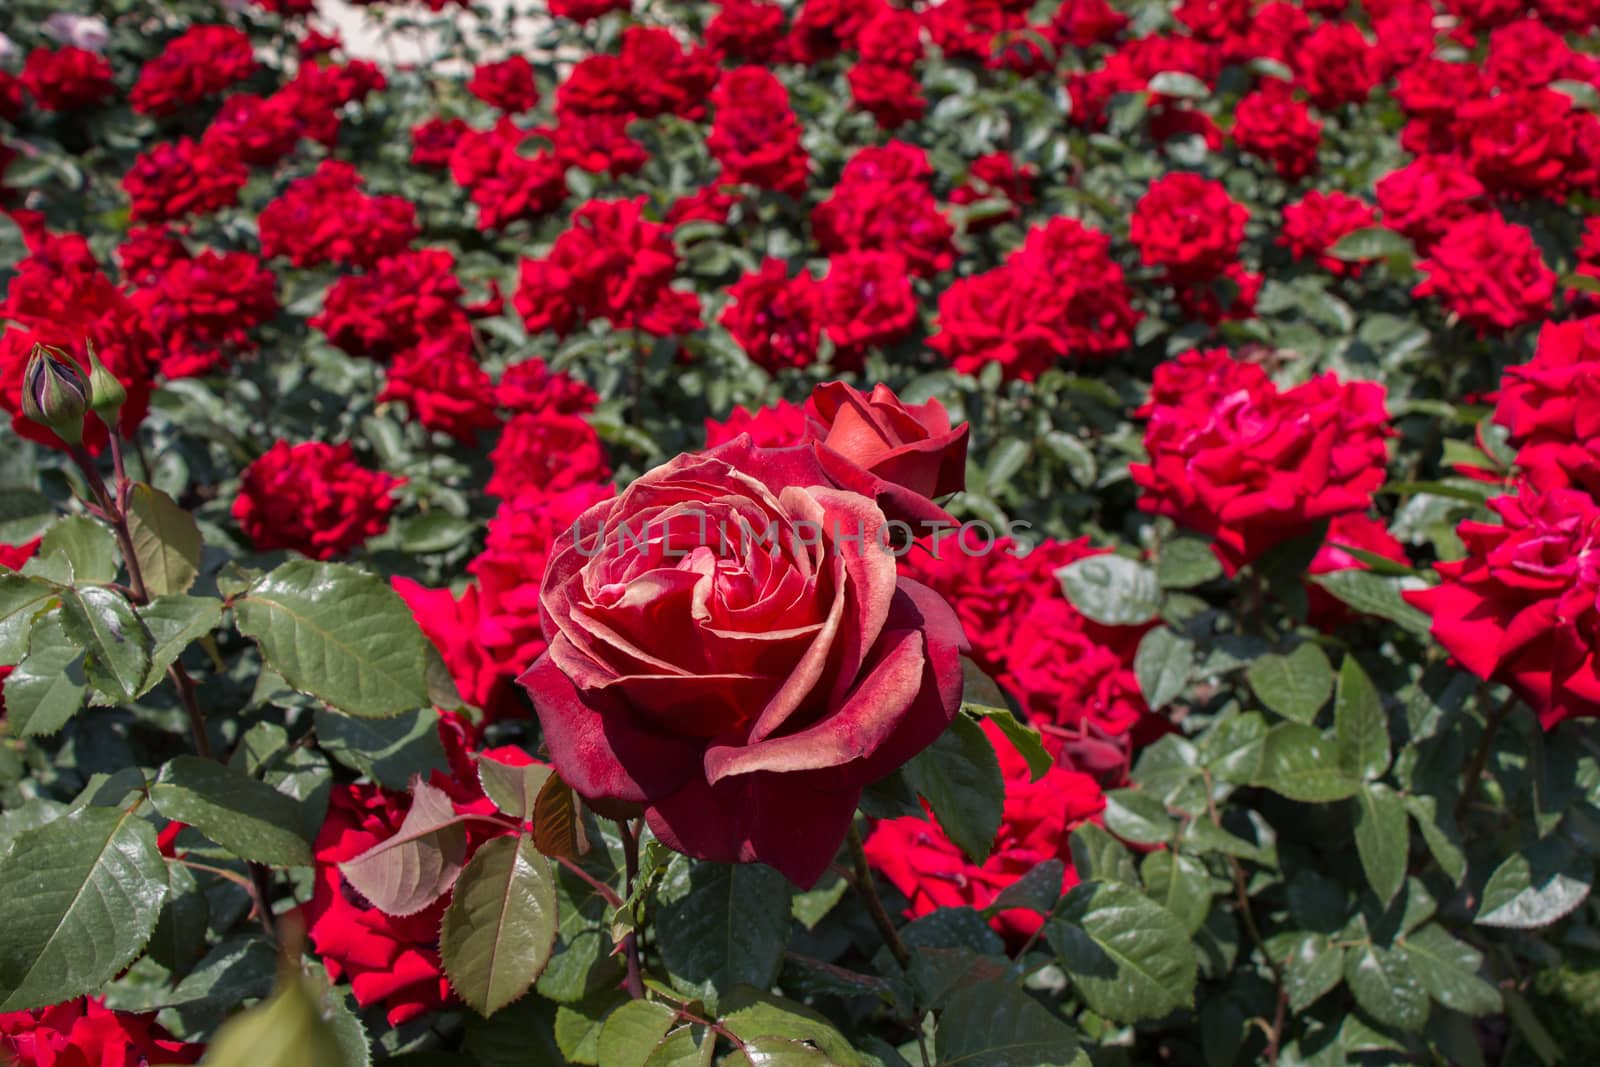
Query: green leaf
[
  {"x": 47, "y": 688},
  {"x": 289, "y": 1030},
  {"x": 1162, "y": 665},
  {"x": 756, "y": 1015},
  {"x": 722, "y": 925},
  {"x": 1179, "y": 84},
  {"x": 1186, "y": 562},
  {"x": 88, "y": 544},
  {"x": 1112, "y": 590},
  {"x": 1294, "y": 686},
  {"x": 1386, "y": 986},
  {"x": 1536, "y": 886},
  {"x": 79, "y": 897},
  {"x": 997, "y": 1024},
  {"x": 632, "y": 1032},
  {"x": 514, "y": 790},
  {"x": 1038, "y": 890},
  {"x": 166, "y": 541},
  {"x": 1361, "y": 729},
  {"x": 687, "y": 1046},
  {"x": 959, "y": 776},
  {"x": 1179, "y": 883},
  {"x": 391, "y": 751},
  {"x": 1128, "y": 957},
  {"x": 175, "y": 622},
  {"x": 578, "y": 1026},
  {"x": 1097, "y": 856},
  {"x": 1376, "y": 594},
  {"x": 338, "y": 634},
  {"x": 405, "y": 873},
  {"x": 1439, "y": 831},
  {"x": 1300, "y": 763},
  {"x": 1383, "y": 839},
  {"x": 1372, "y": 242},
  {"x": 21, "y": 600},
  {"x": 500, "y": 929},
  {"x": 247, "y": 817},
  {"x": 179, "y": 939},
  {"x": 1138, "y": 816},
  {"x": 1448, "y": 970},
  {"x": 1313, "y": 966},
  {"x": 1024, "y": 737},
  {"x": 115, "y": 643},
  {"x": 23, "y": 514},
  {"x": 1005, "y": 460},
  {"x": 1079, "y": 460}
]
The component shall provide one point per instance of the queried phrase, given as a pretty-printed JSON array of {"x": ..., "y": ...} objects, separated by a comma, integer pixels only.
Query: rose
[
  {"x": 1521, "y": 608},
  {"x": 732, "y": 650},
  {"x": 899, "y": 454},
  {"x": 1489, "y": 273},
  {"x": 507, "y": 85},
  {"x": 313, "y": 498},
  {"x": 1189, "y": 225},
  {"x": 1315, "y": 223}
]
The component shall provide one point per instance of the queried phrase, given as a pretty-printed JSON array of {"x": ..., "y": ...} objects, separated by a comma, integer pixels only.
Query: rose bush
[{"x": 795, "y": 531}]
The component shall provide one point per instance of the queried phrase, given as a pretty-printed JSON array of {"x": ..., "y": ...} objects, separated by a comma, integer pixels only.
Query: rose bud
[
  {"x": 902, "y": 455},
  {"x": 106, "y": 393},
  {"x": 731, "y": 647},
  {"x": 55, "y": 394}
]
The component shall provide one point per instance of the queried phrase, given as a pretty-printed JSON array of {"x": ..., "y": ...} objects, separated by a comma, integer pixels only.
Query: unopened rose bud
[
  {"x": 106, "y": 393},
  {"x": 55, "y": 394}
]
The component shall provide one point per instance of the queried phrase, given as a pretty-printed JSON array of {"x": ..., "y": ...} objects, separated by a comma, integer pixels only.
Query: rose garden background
[{"x": 781, "y": 533}]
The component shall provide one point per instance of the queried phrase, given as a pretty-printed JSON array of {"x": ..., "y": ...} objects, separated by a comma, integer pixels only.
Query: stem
[
  {"x": 606, "y": 893},
  {"x": 630, "y": 941},
  {"x": 869, "y": 895},
  {"x": 1480, "y": 755}
]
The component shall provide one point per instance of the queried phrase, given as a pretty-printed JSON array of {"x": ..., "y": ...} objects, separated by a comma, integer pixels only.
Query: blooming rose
[
  {"x": 1189, "y": 225},
  {"x": 1313, "y": 224},
  {"x": 748, "y": 30},
  {"x": 1551, "y": 406},
  {"x": 1524, "y": 605},
  {"x": 547, "y": 450},
  {"x": 867, "y": 302},
  {"x": 1233, "y": 457},
  {"x": 83, "y": 1032},
  {"x": 444, "y": 388},
  {"x": 738, "y": 679},
  {"x": 921, "y": 861},
  {"x": 257, "y": 130},
  {"x": 67, "y": 79},
  {"x": 313, "y": 498},
  {"x": 755, "y": 135},
  {"x": 775, "y": 426},
  {"x": 507, "y": 85},
  {"x": 326, "y": 218},
  {"x": 400, "y": 302},
  {"x": 183, "y": 177},
  {"x": 1489, "y": 273},
  {"x": 774, "y": 318},
  {"x": 204, "y": 307},
  {"x": 1426, "y": 197},
  {"x": 901, "y": 455},
  {"x": 200, "y": 62},
  {"x": 1272, "y": 124},
  {"x": 1336, "y": 64}
]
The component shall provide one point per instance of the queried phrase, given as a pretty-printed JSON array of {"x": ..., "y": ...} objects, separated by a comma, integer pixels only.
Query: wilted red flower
[
  {"x": 312, "y": 498},
  {"x": 175, "y": 179},
  {"x": 67, "y": 79},
  {"x": 327, "y": 218},
  {"x": 1314, "y": 224},
  {"x": 200, "y": 62},
  {"x": 1489, "y": 273},
  {"x": 507, "y": 85},
  {"x": 1188, "y": 225},
  {"x": 1233, "y": 457},
  {"x": 614, "y": 264},
  {"x": 1523, "y": 606},
  {"x": 921, "y": 861},
  {"x": 1272, "y": 124},
  {"x": 546, "y": 452},
  {"x": 774, "y": 318}
]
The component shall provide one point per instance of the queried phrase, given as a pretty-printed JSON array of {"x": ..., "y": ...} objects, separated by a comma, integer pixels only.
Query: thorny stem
[
  {"x": 869, "y": 895},
  {"x": 605, "y": 892},
  {"x": 630, "y": 941}
]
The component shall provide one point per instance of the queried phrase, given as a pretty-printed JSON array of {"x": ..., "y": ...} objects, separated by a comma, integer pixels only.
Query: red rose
[
  {"x": 312, "y": 498},
  {"x": 433, "y": 141},
  {"x": 879, "y": 212},
  {"x": 1272, "y": 124},
  {"x": 1085, "y": 23},
  {"x": 505, "y": 182},
  {"x": 1426, "y": 197},
  {"x": 204, "y": 307},
  {"x": 1276, "y": 31},
  {"x": 174, "y": 179},
  {"x": 755, "y": 135},
  {"x": 996, "y": 176},
  {"x": 260, "y": 131},
  {"x": 548, "y": 451},
  {"x": 402, "y": 301},
  {"x": 83, "y": 1031},
  {"x": 586, "y": 10},
  {"x": 773, "y": 318},
  {"x": 779, "y": 425},
  {"x": 1551, "y": 406},
  {"x": 443, "y": 386},
  {"x": 747, "y": 30},
  {"x": 740, "y": 684},
  {"x": 202, "y": 61},
  {"x": 1230, "y": 296},
  {"x": 890, "y": 95},
  {"x": 1336, "y": 64},
  {"x": 1518, "y": 143},
  {"x": 1233, "y": 457},
  {"x": 507, "y": 85},
  {"x": 531, "y": 387},
  {"x": 1489, "y": 273},
  {"x": 900, "y": 455},
  {"x": 1189, "y": 225},
  {"x": 598, "y": 144},
  {"x": 1432, "y": 92},
  {"x": 326, "y": 218},
  {"x": 1313, "y": 225},
  {"x": 12, "y": 97},
  {"x": 67, "y": 79},
  {"x": 1352, "y": 530},
  {"x": 452, "y": 625},
  {"x": 867, "y": 303},
  {"x": 614, "y": 264},
  {"x": 1521, "y": 608},
  {"x": 917, "y": 857}
]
